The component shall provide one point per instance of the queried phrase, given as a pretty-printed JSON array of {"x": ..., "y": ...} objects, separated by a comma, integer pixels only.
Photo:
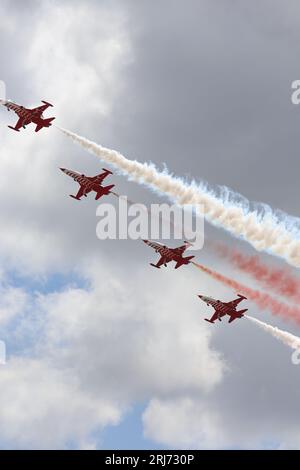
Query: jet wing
[
  {"x": 181, "y": 249},
  {"x": 41, "y": 109},
  {"x": 99, "y": 178},
  {"x": 19, "y": 124},
  {"x": 161, "y": 261},
  {"x": 214, "y": 317},
  {"x": 81, "y": 192},
  {"x": 235, "y": 302}
]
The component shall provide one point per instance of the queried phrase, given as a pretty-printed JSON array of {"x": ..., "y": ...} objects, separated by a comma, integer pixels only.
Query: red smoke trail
[
  {"x": 280, "y": 280},
  {"x": 261, "y": 299}
]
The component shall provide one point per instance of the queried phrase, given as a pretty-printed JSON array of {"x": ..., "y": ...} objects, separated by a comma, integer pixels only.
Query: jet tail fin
[
  {"x": 209, "y": 321},
  {"x": 154, "y": 266}
]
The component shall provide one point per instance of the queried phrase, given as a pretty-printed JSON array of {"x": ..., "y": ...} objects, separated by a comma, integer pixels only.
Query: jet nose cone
[
  {"x": 145, "y": 241},
  {"x": 63, "y": 169}
]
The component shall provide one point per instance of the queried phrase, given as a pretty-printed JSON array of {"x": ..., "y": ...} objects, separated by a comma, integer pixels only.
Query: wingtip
[
  {"x": 108, "y": 171},
  {"x": 46, "y": 102},
  {"x": 242, "y": 296}
]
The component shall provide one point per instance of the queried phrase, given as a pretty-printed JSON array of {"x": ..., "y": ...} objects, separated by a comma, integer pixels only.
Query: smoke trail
[
  {"x": 287, "y": 338},
  {"x": 261, "y": 299},
  {"x": 273, "y": 231},
  {"x": 280, "y": 280}
]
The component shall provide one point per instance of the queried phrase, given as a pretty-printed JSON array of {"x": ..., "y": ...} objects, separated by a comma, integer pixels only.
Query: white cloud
[
  {"x": 100, "y": 349},
  {"x": 13, "y": 301},
  {"x": 44, "y": 407},
  {"x": 191, "y": 422},
  {"x": 70, "y": 57},
  {"x": 184, "y": 423},
  {"x": 140, "y": 337}
]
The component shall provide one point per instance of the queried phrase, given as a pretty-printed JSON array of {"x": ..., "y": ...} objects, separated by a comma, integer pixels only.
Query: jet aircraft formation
[{"x": 88, "y": 184}]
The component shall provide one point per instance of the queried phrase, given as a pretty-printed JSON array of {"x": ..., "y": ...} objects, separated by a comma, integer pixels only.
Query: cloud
[
  {"x": 44, "y": 407},
  {"x": 183, "y": 423},
  {"x": 13, "y": 300},
  {"x": 194, "y": 423},
  {"x": 97, "y": 351},
  {"x": 81, "y": 76}
]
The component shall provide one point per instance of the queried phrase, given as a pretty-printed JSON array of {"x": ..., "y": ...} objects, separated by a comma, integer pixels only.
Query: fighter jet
[
  {"x": 26, "y": 116},
  {"x": 224, "y": 308},
  {"x": 90, "y": 183},
  {"x": 170, "y": 254}
]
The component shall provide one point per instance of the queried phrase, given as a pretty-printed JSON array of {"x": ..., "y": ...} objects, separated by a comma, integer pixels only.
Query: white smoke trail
[
  {"x": 284, "y": 336},
  {"x": 272, "y": 231}
]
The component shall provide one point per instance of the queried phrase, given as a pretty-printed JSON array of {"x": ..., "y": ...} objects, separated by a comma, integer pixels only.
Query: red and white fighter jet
[
  {"x": 170, "y": 254},
  {"x": 26, "y": 116},
  {"x": 224, "y": 308},
  {"x": 90, "y": 183}
]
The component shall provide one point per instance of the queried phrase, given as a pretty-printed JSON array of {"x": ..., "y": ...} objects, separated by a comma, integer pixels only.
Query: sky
[{"x": 104, "y": 352}]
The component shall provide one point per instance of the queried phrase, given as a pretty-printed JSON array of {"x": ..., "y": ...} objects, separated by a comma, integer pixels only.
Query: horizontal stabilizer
[
  {"x": 44, "y": 123},
  {"x": 240, "y": 312},
  {"x": 108, "y": 188},
  {"x": 104, "y": 191},
  {"x": 236, "y": 315},
  {"x": 13, "y": 128},
  {"x": 47, "y": 122},
  {"x": 209, "y": 321},
  {"x": 183, "y": 261}
]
